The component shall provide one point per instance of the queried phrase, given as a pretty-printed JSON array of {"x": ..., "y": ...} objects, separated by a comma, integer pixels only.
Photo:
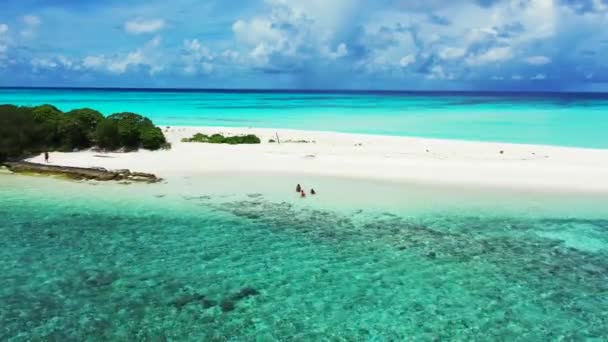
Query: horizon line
[{"x": 305, "y": 90}]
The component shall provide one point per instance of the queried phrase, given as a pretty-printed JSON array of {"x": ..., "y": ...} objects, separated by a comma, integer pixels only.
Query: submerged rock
[
  {"x": 229, "y": 303},
  {"x": 81, "y": 173},
  {"x": 245, "y": 292},
  {"x": 195, "y": 298}
]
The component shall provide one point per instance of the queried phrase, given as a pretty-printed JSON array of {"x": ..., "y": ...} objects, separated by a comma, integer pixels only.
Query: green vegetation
[
  {"x": 220, "y": 139},
  {"x": 28, "y": 130}
]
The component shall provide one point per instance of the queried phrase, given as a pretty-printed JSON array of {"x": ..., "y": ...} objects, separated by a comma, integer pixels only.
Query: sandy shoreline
[{"x": 372, "y": 157}]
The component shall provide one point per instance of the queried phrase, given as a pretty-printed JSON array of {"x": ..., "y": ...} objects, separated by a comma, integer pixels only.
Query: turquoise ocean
[
  {"x": 554, "y": 119},
  {"x": 196, "y": 259}
]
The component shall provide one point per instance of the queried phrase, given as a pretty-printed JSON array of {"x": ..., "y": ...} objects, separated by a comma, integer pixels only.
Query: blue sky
[{"x": 314, "y": 44}]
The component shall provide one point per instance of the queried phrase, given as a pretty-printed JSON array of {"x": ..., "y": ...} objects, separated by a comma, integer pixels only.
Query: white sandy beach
[{"x": 371, "y": 157}]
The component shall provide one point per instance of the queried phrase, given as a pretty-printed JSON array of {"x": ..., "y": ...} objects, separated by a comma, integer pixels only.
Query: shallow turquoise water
[
  {"x": 82, "y": 262},
  {"x": 553, "y": 119}
]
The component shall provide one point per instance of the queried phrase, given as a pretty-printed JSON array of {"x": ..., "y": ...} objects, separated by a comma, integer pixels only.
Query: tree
[
  {"x": 78, "y": 128},
  {"x": 49, "y": 120},
  {"x": 19, "y": 132}
]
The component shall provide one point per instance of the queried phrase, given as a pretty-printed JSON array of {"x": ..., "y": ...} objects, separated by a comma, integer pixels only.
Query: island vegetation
[
  {"x": 220, "y": 139},
  {"x": 26, "y": 131}
]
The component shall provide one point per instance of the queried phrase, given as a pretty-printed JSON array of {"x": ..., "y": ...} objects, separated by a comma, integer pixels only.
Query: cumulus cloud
[
  {"x": 407, "y": 60},
  {"x": 538, "y": 77},
  {"x": 197, "y": 57},
  {"x": 452, "y": 53},
  {"x": 142, "y": 26},
  {"x": 317, "y": 42},
  {"x": 538, "y": 60},
  {"x": 493, "y": 55},
  {"x": 31, "y": 20},
  {"x": 147, "y": 57},
  {"x": 59, "y": 62},
  {"x": 31, "y": 24}
]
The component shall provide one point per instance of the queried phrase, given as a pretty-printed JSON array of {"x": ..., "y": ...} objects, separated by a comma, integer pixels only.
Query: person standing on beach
[{"x": 46, "y": 156}]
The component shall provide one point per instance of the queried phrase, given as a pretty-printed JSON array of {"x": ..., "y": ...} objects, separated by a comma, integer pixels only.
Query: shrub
[
  {"x": 27, "y": 130},
  {"x": 48, "y": 119},
  {"x": 107, "y": 136},
  {"x": 220, "y": 139},
  {"x": 85, "y": 121},
  {"x": 152, "y": 138},
  {"x": 19, "y": 132}
]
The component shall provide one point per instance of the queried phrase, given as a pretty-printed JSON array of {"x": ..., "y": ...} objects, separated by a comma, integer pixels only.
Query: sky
[{"x": 544, "y": 45}]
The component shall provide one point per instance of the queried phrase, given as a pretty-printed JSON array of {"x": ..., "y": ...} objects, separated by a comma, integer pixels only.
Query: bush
[
  {"x": 152, "y": 138},
  {"x": 220, "y": 139},
  {"x": 28, "y": 130},
  {"x": 48, "y": 119},
  {"x": 78, "y": 128},
  {"x": 19, "y": 132},
  {"x": 130, "y": 131},
  {"x": 107, "y": 135}
]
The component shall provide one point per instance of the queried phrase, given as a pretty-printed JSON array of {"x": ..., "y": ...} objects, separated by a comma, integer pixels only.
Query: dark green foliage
[
  {"x": 220, "y": 139},
  {"x": 131, "y": 131},
  {"x": 78, "y": 127},
  {"x": 19, "y": 132},
  {"x": 107, "y": 136},
  {"x": 30, "y": 130},
  {"x": 152, "y": 138},
  {"x": 49, "y": 120}
]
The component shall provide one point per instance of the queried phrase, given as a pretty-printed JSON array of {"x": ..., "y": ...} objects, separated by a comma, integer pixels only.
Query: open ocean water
[
  {"x": 196, "y": 260},
  {"x": 567, "y": 119}
]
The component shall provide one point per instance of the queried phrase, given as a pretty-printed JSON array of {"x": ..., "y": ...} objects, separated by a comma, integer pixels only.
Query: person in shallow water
[
  {"x": 313, "y": 192},
  {"x": 298, "y": 188},
  {"x": 46, "y": 157},
  {"x": 302, "y": 194}
]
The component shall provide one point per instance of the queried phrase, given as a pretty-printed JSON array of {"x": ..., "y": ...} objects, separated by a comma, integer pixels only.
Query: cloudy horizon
[{"x": 295, "y": 44}]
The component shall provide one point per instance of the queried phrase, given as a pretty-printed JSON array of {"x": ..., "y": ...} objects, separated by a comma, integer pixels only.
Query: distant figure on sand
[
  {"x": 313, "y": 192},
  {"x": 46, "y": 157},
  {"x": 302, "y": 194},
  {"x": 298, "y": 188}
]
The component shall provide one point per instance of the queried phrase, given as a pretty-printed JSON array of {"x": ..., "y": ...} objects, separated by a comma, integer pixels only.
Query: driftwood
[{"x": 81, "y": 173}]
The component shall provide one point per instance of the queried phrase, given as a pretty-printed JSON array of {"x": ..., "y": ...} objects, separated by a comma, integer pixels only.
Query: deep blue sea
[
  {"x": 225, "y": 258},
  {"x": 567, "y": 119}
]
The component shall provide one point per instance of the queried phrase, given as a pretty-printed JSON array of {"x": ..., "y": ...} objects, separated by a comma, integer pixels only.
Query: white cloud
[
  {"x": 407, "y": 60},
  {"x": 3, "y": 40},
  {"x": 197, "y": 58},
  {"x": 539, "y": 77},
  {"x": 257, "y": 31},
  {"x": 452, "y": 53},
  {"x": 31, "y": 22},
  {"x": 141, "y": 26},
  {"x": 516, "y": 77},
  {"x": 341, "y": 51},
  {"x": 538, "y": 60},
  {"x": 493, "y": 55},
  {"x": 438, "y": 73},
  {"x": 43, "y": 63},
  {"x": 54, "y": 62},
  {"x": 147, "y": 56},
  {"x": 291, "y": 32},
  {"x": 120, "y": 65},
  {"x": 93, "y": 62}
]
